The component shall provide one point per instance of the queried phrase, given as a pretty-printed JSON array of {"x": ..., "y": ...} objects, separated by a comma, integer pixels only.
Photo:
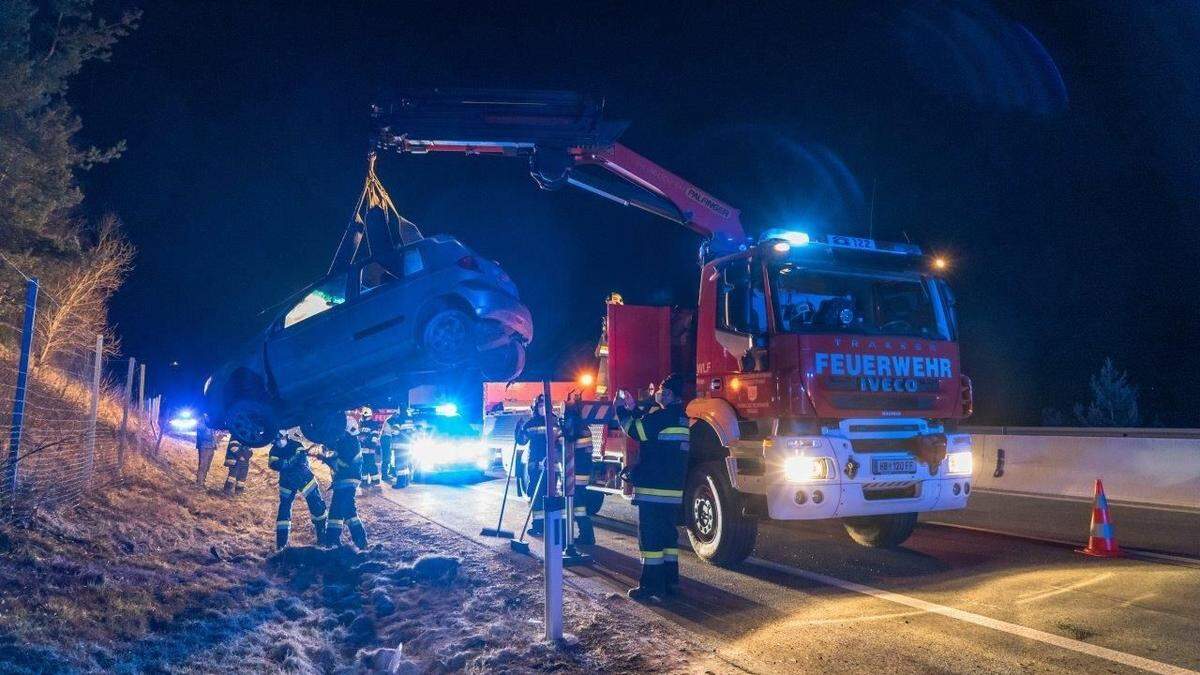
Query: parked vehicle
[{"x": 430, "y": 310}]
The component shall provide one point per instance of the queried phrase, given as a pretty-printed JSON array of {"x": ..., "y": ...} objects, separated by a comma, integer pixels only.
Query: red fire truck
[{"x": 827, "y": 374}]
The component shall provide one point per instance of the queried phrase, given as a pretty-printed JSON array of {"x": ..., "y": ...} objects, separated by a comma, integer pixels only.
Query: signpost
[{"x": 555, "y": 527}]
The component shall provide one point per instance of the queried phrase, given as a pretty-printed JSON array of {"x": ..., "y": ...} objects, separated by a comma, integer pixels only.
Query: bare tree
[
  {"x": 79, "y": 307},
  {"x": 1114, "y": 400}
]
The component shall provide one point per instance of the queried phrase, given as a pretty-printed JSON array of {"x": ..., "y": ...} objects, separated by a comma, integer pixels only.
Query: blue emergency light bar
[{"x": 786, "y": 239}]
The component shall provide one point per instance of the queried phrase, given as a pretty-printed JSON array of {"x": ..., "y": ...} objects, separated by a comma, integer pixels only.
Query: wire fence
[{"x": 66, "y": 425}]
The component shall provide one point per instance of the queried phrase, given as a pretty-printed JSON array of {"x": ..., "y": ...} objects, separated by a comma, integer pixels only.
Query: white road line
[
  {"x": 1064, "y": 589},
  {"x": 1097, "y": 651}
]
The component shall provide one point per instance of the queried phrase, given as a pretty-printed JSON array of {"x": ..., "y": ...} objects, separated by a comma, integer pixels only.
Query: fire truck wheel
[
  {"x": 888, "y": 531},
  {"x": 716, "y": 528},
  {"x": 324, "y": 428}
]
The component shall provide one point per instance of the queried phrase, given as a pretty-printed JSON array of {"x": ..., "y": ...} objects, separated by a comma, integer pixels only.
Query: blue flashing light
[
  {"x": 446, "y": 409},
  {"x": 792, "y": 237}
]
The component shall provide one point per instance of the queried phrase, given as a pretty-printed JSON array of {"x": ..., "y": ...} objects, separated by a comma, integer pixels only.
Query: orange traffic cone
[{"x": 1101, "y": 542}]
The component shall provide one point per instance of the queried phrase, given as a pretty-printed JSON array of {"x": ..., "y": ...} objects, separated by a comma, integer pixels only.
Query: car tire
[
  {"x": 886, "y": 531},
  {"x": 716, "y": 528},
  {"x": 503, "y": 364},
  {"x": 447, "y": 337},
  {"x": 251, "y": 421}
]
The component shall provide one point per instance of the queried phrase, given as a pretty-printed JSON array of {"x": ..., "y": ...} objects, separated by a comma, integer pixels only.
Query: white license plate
[{"x": 884, "y": 467}]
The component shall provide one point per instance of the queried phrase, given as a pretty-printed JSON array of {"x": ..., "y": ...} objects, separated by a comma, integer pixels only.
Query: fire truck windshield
[{"x": 820, "y": 300}]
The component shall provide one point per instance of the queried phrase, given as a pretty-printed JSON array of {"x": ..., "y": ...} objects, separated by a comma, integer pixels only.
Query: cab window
[
  {"x": 741, "y": 305},
  {"x": 329, "y": 294},
  {"x": 373, "y": 275}
]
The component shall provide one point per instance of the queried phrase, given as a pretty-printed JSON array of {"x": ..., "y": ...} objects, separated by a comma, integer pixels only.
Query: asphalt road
[{"x": 950, "y": 600}]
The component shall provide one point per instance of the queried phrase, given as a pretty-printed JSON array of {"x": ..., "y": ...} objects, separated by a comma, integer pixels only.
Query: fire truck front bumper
[{"x": 827, "y": 481}]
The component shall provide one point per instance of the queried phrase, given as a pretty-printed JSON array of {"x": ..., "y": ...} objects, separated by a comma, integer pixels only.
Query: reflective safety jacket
[
  {"x": 291, "y": 461},
  {"x": 662, "y": 459},
  {"x": 345, "y": 458},
  {"x": 533, "y": 432}
]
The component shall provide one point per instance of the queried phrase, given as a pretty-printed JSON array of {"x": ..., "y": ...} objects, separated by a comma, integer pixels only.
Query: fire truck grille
[
  {"x": 882, "y": 402},
  {"x": 891, "y": 490},
  {"x": 885, "y": 444}
]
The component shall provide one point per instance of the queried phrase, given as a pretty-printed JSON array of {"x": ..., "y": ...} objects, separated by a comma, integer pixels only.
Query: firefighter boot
[
  {"x": 229, "y": 484},
  {"x": 283, "y": 531},
  {"x": 587, "y": 535},
  {"x": 537, "y": 529},
  {"x": 650, "y": 586},
  {"x": 358, "y": 533},
  {"x": 671, "y": 570}
]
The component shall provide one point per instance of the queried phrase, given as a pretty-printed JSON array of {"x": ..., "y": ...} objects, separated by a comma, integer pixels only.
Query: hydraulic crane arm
[{"x": 561, "y": 135}]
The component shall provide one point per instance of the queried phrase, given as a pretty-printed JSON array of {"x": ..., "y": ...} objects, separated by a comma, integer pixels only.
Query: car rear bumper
[
  {"x": 495, "y": 305},
  {"x": 813, "y": 501}
]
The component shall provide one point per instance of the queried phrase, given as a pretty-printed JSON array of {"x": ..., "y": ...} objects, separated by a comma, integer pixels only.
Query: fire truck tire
[
  {"x": 325, "y": 428},
  {"x": 887, "y": 531},
  {"x": 716, "y": 527}
]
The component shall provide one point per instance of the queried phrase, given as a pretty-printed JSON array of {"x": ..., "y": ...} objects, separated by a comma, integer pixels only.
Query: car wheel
[
  {"x": 716, "y": 528},
  {"x": 251, "y": 422},
  {"x": 503, "y": 364},
  {"x": 447, "y": 337},
  {"x": 886, "y": 531}
]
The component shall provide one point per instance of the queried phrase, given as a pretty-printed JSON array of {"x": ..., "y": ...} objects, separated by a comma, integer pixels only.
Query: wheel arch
[{"x": 718, "y": 415}]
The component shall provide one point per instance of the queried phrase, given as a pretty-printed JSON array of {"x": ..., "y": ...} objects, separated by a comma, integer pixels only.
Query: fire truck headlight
[
  {"x": 800, "y": 469},
  {"x": 959, "y": 464}
]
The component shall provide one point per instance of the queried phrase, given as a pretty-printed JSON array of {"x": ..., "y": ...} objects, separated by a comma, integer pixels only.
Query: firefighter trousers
[
  {"x": 316, "y": 508},
  {"x": 343, "y": 514},
  {"x": 536, "y": 480},
  {"x": 239, "y": 469},
  {"x": 659, "y": 543},
  {"x": 370, "y": 467},
  {"x": 386, "y": 469}
]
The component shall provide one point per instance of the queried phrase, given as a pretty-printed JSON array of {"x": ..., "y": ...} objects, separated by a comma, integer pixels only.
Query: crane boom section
[{"x": 560, "y": 134}]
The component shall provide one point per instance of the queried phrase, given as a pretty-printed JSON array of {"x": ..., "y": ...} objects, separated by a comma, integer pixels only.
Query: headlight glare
[
  {"x": 959, "y": 464},
  {"x": 799, "y": 469}
]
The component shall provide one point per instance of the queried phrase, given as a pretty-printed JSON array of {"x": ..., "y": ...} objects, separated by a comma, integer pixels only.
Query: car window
[
  {"x": 413, "y": 262},
  {"x": 328, "y": 295},
  {"x": 373, "y": 275}
]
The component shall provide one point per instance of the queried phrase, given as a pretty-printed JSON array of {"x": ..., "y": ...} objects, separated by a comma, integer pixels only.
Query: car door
[
  {"x": 381, "y": 324},
  {"x": 307, "y": 346}
]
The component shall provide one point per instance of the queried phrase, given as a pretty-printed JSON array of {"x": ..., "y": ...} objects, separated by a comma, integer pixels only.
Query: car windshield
[{"x": 812, "y": 300}]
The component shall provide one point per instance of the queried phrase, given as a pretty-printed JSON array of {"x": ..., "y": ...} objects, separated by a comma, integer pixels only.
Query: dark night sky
[{"x": 1050, "y": 148}]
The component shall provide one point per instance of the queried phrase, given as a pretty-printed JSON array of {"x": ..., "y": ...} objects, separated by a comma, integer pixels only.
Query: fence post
[
  {"x": 18, "y": 414},
  {"x": 125, "y": 416},
  {"x": 552, "y": 539},
  {"x": 142, "y": 390},
  {"x": 97, "y": 365}
]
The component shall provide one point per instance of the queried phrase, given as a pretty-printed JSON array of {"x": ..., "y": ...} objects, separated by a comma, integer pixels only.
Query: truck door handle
[{"x": 999, "y": 463}]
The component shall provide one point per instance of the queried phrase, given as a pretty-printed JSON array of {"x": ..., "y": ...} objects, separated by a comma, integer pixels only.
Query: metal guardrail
[{"x": 1102, "y": 432}]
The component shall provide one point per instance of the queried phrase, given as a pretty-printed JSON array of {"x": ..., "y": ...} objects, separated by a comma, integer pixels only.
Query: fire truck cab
[{"x": 827, "y": 386}]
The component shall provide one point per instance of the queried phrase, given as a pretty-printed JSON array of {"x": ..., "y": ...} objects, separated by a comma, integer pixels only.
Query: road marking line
[
  {"x": 855, "y": 619},
  {"x": 1089, "y": 649},
  {"x": 1064, "y": 589}
]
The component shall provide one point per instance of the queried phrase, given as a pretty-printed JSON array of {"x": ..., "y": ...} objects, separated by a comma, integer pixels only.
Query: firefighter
[
  {"x": 237, "y": 460},
  {"x": 289, "y": 457},
  {"x": 387, "y": 436},
  {"x": 368, "y": 439},
  {"x": 577, "y": 439},
  {"x": 345, "y": 459},
  {"x": 533, "y": 433},
  {"x": 658, "y": 479},
  {"x": 406, "y": 431}
]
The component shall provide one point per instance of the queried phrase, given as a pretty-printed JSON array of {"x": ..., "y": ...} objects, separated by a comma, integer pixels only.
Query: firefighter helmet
[
  {"x": 294, "y": 434},
  {"x": 364, "y": 412}
]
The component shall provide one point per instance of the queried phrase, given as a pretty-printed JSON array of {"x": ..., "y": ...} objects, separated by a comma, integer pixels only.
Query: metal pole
[
  {"x": 141, "y": 401},
  {"x": 18, "y": 414},
  {"x": 97, "y": 365},
  {"x": 554, "y": 534},
  {"x": 125, "y": 416}
]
